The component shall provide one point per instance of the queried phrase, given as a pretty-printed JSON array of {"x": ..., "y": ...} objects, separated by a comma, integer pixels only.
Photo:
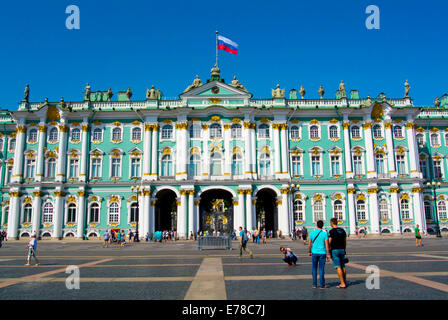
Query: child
[
  {"x": 32, "y": 247},
  {"x": 290, "y": 258}
]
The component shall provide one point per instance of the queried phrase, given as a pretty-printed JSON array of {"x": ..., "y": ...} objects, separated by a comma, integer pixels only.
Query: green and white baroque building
[{"x": 215, "y": 158}]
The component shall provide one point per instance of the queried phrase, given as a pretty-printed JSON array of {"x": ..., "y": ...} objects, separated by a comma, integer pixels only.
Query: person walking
[
  {"x": 32, "y": 247},
  {"x": 338, "y": 243},
  {"x": 290, "y": 258},
  {"x": 118, "y": 237},
  {"x": 106, "y": 239},
  {"x": 243, "y": 243},
  {"x": 304, "y": 235},
  {"x": 418, "y": 236},
  {"x": 264, "y": 236},
  {"x": 318, "y": 248},
  {"x": 130, "y": 235}
]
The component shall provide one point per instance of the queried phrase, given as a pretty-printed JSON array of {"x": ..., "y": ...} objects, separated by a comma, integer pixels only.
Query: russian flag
[{"x": 227, "y": 45}]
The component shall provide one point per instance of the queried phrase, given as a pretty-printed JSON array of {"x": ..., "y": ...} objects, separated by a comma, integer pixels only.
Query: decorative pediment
[{"x": 215, "y": 89}]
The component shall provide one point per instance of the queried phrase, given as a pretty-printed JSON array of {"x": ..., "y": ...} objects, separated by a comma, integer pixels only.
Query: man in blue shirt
[
  {"x": 32, "y": 247},
  {"x": 318, "y": 249},
  {"x": 243, "y": 243}
]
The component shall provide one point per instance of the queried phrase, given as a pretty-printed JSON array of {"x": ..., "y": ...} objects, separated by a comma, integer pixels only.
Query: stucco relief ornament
[
  {"x": 407, "y": 87},
  {"x": 196, "y": 84},
  {"x": 321, "y": 92},
  {"x": 109, "y": 94},
  {"x": 437, "y": 102},
  {"x": 302, "y": 92},
  {"x": 278, "y": 93},
  {"x": 129, "y": 93},
  {"x": 26, "y": 93},
  {"x": 87, "y": 93},
  {"x": 342, "y": 89},
  {"x": 235, "y": 83}
]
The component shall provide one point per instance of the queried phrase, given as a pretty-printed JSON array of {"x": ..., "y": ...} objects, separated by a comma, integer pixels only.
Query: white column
[
  {"x": 81, "y": 219},
  {"x": 145, "y": 214},
  {"x": 13, "y": 216},
  {"x": 191, "y": 213},
  {"x": 40, "y": 153},
  {"x": 254, "y": 211},
  {"x": 227, "y": 152},
  {"x": 154, "y": 151},
  {"x": 249, "y": 216},
  {"x": 347, "y": 151},
  {"x": 84, "y": 153},
  {"x": 395, "y": 209},
  {"x": 374, "y": 212},
  {"x": 147, "y": 137},
  {"x": 37, "y": 203},
  {"x": 181, "y": 150},
  {"x": 351, "y": 209},
  {"x": 182, "y": 215},
  {"x": 285, "y": 149},
  {"x": 151, "y": 217},
  {"x": 390, "y": 149},
  {"x": 276, "y": 147},
  {"x": 62, "y": 153},
  {"x": 371, "y": 172},
  {"x": 413, "y": 151},
  {"x": 58, "y": 215},
  {"x": 197, "y": 222},
  {"x": 205, "y": 152},
  {"x": 18, "y": 154},
  {"x": 283, "y": 215},
  {"x": 248, "y": 150},
  {"x": 239, "y": 211},
  {"x": 419, "y": 213}
]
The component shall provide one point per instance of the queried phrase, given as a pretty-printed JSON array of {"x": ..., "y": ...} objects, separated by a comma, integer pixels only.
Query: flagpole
[{"x": 216, "y": 47}]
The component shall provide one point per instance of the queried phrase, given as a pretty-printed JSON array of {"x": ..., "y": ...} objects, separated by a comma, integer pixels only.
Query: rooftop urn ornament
[
  {"x": 437, "y": 102},
  {"x": 407, "y": 87},
  {"x": 235, "y": 83},
  {"x": 87, "y": 92},
  {"x": 129, "y": 93},
  {"x": 196, "y": 84},
  {"x": 152, "y": 94},
  {"x": 26, "y": 93},
  {"x": 302, "y": 92},
  {"x": 321, "y": 92},
  {"x": 342, "y": 89},
  {"x": 109, "y": 94},
  {"x": 278, "y": 93}
]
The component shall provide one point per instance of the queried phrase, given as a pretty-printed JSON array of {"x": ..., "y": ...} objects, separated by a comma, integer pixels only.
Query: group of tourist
[{"x": 119, "y": 237}]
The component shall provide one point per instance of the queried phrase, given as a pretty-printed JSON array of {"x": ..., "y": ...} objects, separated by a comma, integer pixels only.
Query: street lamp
[
  {"x": 137, "y": 189},
  {"x": 433, "y": 186}
]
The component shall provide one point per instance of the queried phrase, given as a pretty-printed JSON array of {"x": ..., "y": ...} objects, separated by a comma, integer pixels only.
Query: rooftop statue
[
  {"x": 278, "y": 93},
  {"x": 129, "y": 93},
  {"x": 437, "y": 102},
  {"x": 342, "y": 89},
  {"x": 87, "y": 93},
  {"x": 302, "y": 92},
  {"x": 109, "y": 94},
  {"x": 215, "y": 72},
  {"x": 26, "y": 93},
  {"x": 407, "y": 87},
  {"x": 152, "y": 94},
  {"x": 235, "y": 83},
  {"x": 196, "y": 84},
  {"x": 321, "y": 92}
]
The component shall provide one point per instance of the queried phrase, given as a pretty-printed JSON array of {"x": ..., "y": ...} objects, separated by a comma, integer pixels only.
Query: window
[
  {"x": 136, "y": 134},
  {"x": 315, "y": 165},
  {"x": 114, "y": 213},
  {"x": 441, "y": 210},
  {"x": 50, "y": 171},
  {"x": 195, "y": 165},
  {"x": 134, "y": 212},
  {"x": 338, "y": 210},
  {"x": 398, "y": 132},
  {"x": 424, "y": 168},
  {"x": 334, "y": 132},
  {"x": 167, "y": 166},
  {"x": 1, "y": 145},
  {"x": 135, "y": 167},
  {"x": 318, "y": 210},
  {"x": 404, "y": 209},
  {"x": 314, "y": 132},
  {"x": 96, "y": 168},
  {"x": 236, "y": 131},
  {"x": 356, "y": 133},
  {"x": 76, "y": 134},
  {"x": 71, "y": 213},
  {"x": 237, "y": 164},
  {"x": 53, "y": 135},
  {"x": 357, "y": 165},
  {"x": 401, "y": 167},
  {"x": 265, "y": 164},
  {"x": 195, "y": 131},
  {"x": 27, "y": 213},
  {"x": 47, "y": 217},
  {"x": 437, "y": 169},
  {"x": 446, "y": 140},
  {"x": 8, "y": 173},
  {"x": 167, "y": 132},
  {"x": 298, "y": 210},
  {"x": 421, "y": 140},
  {"x": 379, "y": 159},
  {"x": 215, "y": 131},
  {"x": 263, "y": 131},
  {"x": 361, "y": 210},
  {"x": 384, "y": 210},
  {"x": 294, "y": 132},
  {"x": 428, "y": 210},
  {"x": 377, "y": 132},
  {"x": 94, "y": 214},
  {"x": 216, "y": 164},
  {"x": 335, "y": 165},
  {"x": 32, "y": 135},
  {"x": 115, "y": 168},
  {"x": 30, "y": 168},
  {"x": 435, "y": 140},
  {"x": 98, "y": 134},
  {"x": 12, "y": 145},
  {"x": 116, "y": 134},
  {"x": 296, "y": 165},
  {"x": 74, "y": 168}
]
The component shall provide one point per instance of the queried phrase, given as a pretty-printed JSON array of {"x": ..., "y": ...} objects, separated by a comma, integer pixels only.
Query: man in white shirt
[{"x": 32, "y": 247}]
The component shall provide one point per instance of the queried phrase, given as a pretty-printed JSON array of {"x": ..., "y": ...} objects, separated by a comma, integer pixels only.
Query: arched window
[
  {"x": 263, "y": 131},
  {"x": 47, "y": 216},
  {"x": 76, "y": 134},
  {"x": 53, "y": 134},
  {"x": 377, "y": 132},
  {"x": 398, "y": 132},
  {"x": 94, "y": 214},
  {"x": 195, "y": 165},
  {"x": 441, "y": 210},
  {"x": 215, "y": 131},
  {"x": 333, "y": 132},
  {"x": 356, "y": 133},
  {"x": 136, "y": 134},
  {"x": 195, "y": 131},
  {"x": 134, "y": 212},
  {"x": 216, "y": 164},
  {"x": 294, "y": 132},
  {"x": 71, "y": 213},
  {"x": 167, "y": 132},
  {"x": 32, "y": 135},
  {"x": 114, "y": 213},
  {"x": 167, "y": 165},
  {"x": 97, "y": 134},
  {"x": 318, "y": 209},
  {"x": 265, "y": 164},
  {"x": 420, "y": 139},
  {"x": 12, "y": 145},
  {"x": 404, "y": 209},
  {"x": 384, "y": 210},
  {"x": 435, "y": 140},
  {"x": 237, "y": 164},
  {"x": 236, "y": 131},
  {"x": 337, "y": 210},
  {"x": 27, "y": 212},
  {"x": 361, "y": 210},
  {"x": 116, "y": 134},
  {"x": 314, "y": 132},
  {"x": 298, "y": 210}
]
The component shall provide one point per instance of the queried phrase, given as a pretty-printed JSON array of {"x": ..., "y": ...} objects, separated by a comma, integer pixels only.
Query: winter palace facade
[{"x": 216, "y": 159}]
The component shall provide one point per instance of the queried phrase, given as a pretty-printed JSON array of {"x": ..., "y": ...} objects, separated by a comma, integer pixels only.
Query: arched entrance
[
  {"x": 216, "y": 211},
  {"x": 165, "y": 210},
  {"x": 266, "y": 210}
]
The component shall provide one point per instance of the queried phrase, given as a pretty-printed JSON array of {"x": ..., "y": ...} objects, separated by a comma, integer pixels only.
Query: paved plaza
[{"x": 179, "y": 271}]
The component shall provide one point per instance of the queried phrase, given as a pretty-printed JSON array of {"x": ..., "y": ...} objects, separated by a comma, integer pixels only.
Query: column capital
[
  {"x": 417, "y": 190},
  {"x": 346, "y": 125},
  {"x": 388, "y": 125},
  {"x": 351, "y": 190},
  {"x": 394, "y": 190},
  {"x": 38, "y": 193},
  {"x": 367, "y": 125},
  {"x": 372, "y": 190}
]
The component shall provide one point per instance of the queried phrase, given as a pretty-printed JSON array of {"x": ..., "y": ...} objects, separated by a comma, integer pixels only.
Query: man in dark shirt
[{"x": 338, "y": 242}]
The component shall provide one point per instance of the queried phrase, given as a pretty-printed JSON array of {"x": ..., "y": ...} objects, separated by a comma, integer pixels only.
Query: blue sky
[{"x": 137, "y": 44}]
